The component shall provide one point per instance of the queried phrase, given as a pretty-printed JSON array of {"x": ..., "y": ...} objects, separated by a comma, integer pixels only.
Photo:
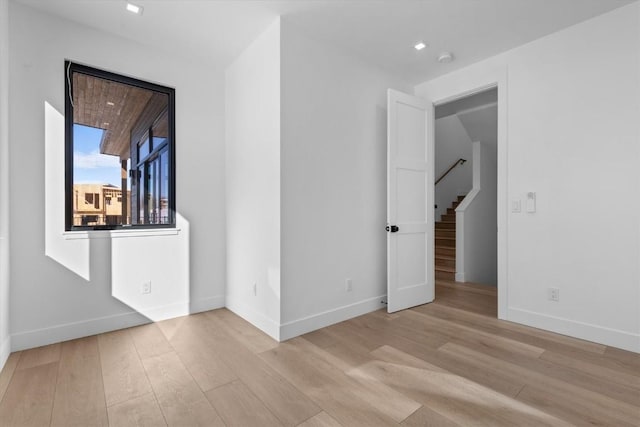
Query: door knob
[{"x": 392, "y": 228}]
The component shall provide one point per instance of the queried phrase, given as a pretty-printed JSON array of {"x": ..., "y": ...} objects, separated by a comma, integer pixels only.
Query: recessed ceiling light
[
  {"x": 419, "y": 46},
  {"x": 110, "y": 104},
  {"x": 134, "y": 8},
  {"x": 445, "y": 57}
]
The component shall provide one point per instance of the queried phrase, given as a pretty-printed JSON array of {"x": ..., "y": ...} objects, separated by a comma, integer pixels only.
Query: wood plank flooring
[{"x": 449, "y": 363}]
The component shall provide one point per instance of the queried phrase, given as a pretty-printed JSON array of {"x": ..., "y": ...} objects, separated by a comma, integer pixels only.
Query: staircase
[{"x": 445, "y": 244}]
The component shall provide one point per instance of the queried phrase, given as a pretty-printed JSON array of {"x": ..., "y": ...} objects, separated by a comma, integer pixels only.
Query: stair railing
[{"x": 457, "y": 162}]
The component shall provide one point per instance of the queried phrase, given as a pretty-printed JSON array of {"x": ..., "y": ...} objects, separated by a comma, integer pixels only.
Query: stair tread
[
  {"x": 445, "y": 275},
  {"x": 447, "y": 257},
  {"x": 446, "y": 237},
  {"x": 446, "y": 269}
]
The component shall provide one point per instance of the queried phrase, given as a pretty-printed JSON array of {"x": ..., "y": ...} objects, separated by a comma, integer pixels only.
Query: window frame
[{"x": 73, "y": 67}]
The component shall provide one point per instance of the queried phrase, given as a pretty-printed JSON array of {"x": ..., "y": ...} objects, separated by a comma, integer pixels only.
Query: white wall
[
  {"x": 451, "y": 143},
  {"x": 476, "y": 221},
  {"x": 573, "y": 138},
  {"x": 253, "y": 182},
  {"x": 62, "y": 285},
  {"x": 333, "y": 183},
  {"x": 5, "y": 339}
]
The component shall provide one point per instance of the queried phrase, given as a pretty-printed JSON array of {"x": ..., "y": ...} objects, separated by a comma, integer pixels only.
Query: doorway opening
[{"x": 466, "y": 201}]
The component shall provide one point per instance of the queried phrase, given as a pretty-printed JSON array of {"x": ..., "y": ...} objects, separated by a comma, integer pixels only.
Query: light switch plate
[
  {"x": 531, "y": 202},
  {"x": 515, "y": 206}
]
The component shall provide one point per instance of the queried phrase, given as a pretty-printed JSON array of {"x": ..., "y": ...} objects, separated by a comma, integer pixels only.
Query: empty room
[{"x": 319, "y": 213}]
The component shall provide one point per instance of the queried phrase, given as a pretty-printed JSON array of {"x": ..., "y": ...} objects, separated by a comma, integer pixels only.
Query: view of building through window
[
  {"x": 121, "y": 144},
  {"x": 96, "y": 181}
]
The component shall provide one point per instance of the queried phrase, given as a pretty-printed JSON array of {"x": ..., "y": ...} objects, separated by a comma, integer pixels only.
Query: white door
[{"x": 410, "y": 263}]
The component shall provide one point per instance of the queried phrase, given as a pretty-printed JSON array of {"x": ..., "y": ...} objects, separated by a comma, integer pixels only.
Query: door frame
[{"x": 450, "y": 88}]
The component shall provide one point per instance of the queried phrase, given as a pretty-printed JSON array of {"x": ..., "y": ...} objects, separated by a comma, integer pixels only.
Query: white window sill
[{"x": 118, "y": 234}]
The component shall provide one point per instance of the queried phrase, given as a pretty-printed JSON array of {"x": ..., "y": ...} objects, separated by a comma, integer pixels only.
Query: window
[{"x": 120, "y": 147}]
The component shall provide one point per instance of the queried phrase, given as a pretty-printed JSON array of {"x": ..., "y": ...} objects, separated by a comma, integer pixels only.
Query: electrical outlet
[
  {"x": 554, "y": 294},
  {"x": 146, "y": 288},
  {"x": 254, "y": 288},
  {"x": 348, "y": 285}
]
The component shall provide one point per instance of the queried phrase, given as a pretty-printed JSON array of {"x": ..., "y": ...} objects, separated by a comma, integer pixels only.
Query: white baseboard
[
  {"x": 259, "y": 320},
  {"x": 311, "y": 323},
  {"x": 206, "y": 304},
  {"x": 460, "y": 277},
  {"x": 5, "y": 351},
  {"x": 170, "y": 311},
  {"x": 611, "y": 337},
  {"x": 85, "y": 328},
  {"x": 164, "y": 312},
  {"x": 69, "y": 331}
]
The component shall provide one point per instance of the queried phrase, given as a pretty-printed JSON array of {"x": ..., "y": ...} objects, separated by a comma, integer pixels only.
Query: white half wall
[
  {"x": 476, "y": 221},
  {"x": 5, "y": 338},
  {"x": 451, "y": 143},
  {"x": 253, "y": 182},
  {"x": 573, "y": 137},
  {"x": 333, "y": 183},
  {"x": 67, "y": 285}
]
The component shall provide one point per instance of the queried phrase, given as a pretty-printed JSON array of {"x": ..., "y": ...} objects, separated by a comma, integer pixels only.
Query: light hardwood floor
[{"x": 449, "y": 363}]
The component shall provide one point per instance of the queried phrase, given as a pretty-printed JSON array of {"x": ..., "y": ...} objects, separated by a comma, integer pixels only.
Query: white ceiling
[
  {"x": 481, "y": 124},
  {"x": 469, "y": 102},
  {"x": 380, "y": 31}
]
